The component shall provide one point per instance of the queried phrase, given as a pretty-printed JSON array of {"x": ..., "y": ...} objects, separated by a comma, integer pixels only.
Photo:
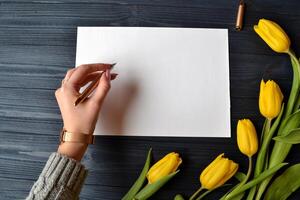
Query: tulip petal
[
  {"x": 247, "y": 137},
  {"x": 273, "y": 35},
  {"x": 268, "y": 34},
  {"x": 276, "y": 36},
  {"x": 270, "y": 99},
  {"x": 280, "y": 34},
  {"x": 164, "y": 167},
  {"x": 208, "y": 168},
  {"x": 232, "y": 170},
  {"x": 219, "y": 172}
]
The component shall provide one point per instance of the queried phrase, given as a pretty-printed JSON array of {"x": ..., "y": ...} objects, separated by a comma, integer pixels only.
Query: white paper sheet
[{"x": 172, "y": 81}]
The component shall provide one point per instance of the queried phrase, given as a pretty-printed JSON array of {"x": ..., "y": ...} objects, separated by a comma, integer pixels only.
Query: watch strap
[{"x": 66, "y": 136}]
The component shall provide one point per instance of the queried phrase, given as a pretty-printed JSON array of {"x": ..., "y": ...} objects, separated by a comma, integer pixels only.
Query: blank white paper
[{"x": 172, "y": 81}]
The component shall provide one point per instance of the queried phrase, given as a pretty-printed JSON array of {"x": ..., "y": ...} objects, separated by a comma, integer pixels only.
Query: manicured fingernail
[
  {"x": 112, "y": 65},
  {"x": 113, "y": 76},
  {"x": 107, "y": 73}
]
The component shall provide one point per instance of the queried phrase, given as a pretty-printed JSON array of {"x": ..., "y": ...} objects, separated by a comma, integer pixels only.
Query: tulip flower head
[
  {"x": 164, "y": 167},
  {"x": 218, "y": 172},
  {"x": 270, "y": 99},
  {"x": 247, "y": 137},
  {"x": 273, "y": 35}
]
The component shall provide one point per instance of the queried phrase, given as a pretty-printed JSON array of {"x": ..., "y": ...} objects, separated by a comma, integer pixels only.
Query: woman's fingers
[
  {"x": 83, "y": 70},
  {"x": 93, "y": 76},
  {"x": 113, "y": 76},
  {"x": 102, "y": 89},
  {"x": 69, "y": 74},
  {"x": 80, "y": 76},
  {"x": 90, "y": 77}
]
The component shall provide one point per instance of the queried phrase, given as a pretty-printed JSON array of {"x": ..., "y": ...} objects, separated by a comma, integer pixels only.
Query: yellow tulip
[
  {"x": 270, "y": 99},
  {"x": 273, "y": 35},
  {"x": 164, "y": 167},
  {"x": 218, "y": 172},
  {"x": 247, "y": 137}
]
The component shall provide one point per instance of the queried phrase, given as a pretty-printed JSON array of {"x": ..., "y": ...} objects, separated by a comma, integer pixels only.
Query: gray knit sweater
[{"x": 61, "y": 178}]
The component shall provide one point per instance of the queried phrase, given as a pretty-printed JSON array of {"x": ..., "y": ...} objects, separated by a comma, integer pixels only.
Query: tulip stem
[
  {"x": 248, "y": 173},
  {"x": 262, "y": 157},
  {"x": 204, "y": 194},
  {"x": 196, "y": 193},
  {"x": 249, "y": 170},
  {"x": 266, "y": 130},
  {"x": 295, "y": 85}
]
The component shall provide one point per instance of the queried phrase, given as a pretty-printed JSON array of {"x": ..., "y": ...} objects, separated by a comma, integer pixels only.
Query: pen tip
[
  {"x": 76, "y": 102},
  {"x": 112, "y": 65}
]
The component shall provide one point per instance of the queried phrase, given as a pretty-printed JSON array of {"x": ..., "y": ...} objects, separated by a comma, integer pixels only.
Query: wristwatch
[{"x": 66, "y": 136}]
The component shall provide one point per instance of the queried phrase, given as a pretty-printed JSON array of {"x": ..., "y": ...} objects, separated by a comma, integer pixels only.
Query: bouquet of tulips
[{"x": 281, "y": 127}]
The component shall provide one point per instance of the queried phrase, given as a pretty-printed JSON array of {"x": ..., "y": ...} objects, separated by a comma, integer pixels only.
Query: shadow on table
[{"x": 116, "y": 109}]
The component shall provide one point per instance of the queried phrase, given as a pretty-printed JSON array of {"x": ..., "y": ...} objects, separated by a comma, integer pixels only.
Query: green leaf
[
  {"x": 295, "y": 84},
  {"x": 140, "y": 181},
  {"x": 240, "y": 176},
  {"x": 178, "y": 197},
  {"x": 285, "y": 184},
  {"x": 251, "y": 193},
  {"x": 150, "y": 189},
  {"x": 293, "y": 137},
  {"x": 280, "y": 149},
  {"x": 261, "y": 161},
  {"x": 239, "y": 196},
  {"x": 290, "y": 123},
  {"x": 255, "y": 181},
  {"x": 234, "y": 198}
]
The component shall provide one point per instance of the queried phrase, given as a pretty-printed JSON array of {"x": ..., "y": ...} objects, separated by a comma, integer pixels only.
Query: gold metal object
[
  {"x": 240, "y": 16},
  {"x": 86, "y": 93},
  {"x": 66, "y": 136}
]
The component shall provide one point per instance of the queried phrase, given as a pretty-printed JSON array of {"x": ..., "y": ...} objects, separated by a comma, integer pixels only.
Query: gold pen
[
  {"x": 240, "y": 16},
  {"x": 86, "y": 93}
]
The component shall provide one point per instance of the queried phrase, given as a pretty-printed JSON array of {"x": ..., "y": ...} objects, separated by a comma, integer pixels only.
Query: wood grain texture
[{"x": 37, "y": 46}]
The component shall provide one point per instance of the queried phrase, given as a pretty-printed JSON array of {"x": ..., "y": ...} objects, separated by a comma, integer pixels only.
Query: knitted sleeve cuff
[{"x": 61, "y": 178}]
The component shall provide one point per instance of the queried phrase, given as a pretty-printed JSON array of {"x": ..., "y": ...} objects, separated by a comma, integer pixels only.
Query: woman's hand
[{"x": 83, "y": 117}]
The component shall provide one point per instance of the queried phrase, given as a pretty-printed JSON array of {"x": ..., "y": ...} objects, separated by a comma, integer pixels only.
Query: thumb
[{"x": 103, "y": 88}]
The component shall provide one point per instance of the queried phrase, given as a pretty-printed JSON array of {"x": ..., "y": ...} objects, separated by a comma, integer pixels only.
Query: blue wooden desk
[{"x": 37, "y": 46}]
